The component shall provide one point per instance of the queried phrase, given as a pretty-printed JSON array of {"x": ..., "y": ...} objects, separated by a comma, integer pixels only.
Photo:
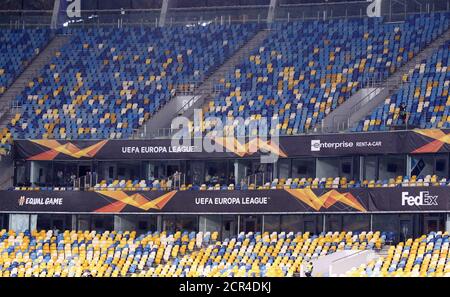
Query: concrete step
[
  {"x": 358, "y": 106},
  {"x": 229, "y": 65},
  {"x": 31, "y": 71},
  {"x": 202, "y": 93},
  {"x": 384, "y": 251},
  {"x": 338, "y": 263}
]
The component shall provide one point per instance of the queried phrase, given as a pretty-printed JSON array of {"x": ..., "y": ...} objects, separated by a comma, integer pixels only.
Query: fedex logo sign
[{"x": 423, "y": 199}]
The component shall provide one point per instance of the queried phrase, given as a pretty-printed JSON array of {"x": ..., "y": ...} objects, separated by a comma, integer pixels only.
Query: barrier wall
[
  {"x": 363, "y": 200},
  {"x": 401, "y": 142}
]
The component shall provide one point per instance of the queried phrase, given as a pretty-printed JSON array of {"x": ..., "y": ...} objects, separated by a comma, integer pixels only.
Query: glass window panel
[
  {"x": 356, "y": 222},
  {"x": 250, "y": 223},
  {"x": 292, "y": 223},
  {"x": 333, "y": 223},
  {"x": 328, "y": 167},
  {"x": 392, "y": 166},
  {"x": 284, "y": 168},
  {"x": 303, "y": 168},
  {"x": 272, "y": 223},
  {"x": 385, "y": 222}
]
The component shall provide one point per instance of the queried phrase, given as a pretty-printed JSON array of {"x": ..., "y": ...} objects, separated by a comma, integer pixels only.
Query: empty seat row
[
  {"x": 113, "y": 254},
  {"x": 279, "y": 184}
]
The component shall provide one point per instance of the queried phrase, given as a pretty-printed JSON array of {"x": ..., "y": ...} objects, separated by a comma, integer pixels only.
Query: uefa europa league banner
[
  {"x": 412, "y": 199},
  {"x": 409, "y": 142}
]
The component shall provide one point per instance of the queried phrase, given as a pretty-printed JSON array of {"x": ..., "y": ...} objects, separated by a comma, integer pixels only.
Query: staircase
[
  {"x": 371, "y": 256},
  {"x": 6, "y": 171},
  {"x": 202, "y": 94},
  {"x": 360, "y": 105},
  {"x": 7, "y": 106},
  {"x": 338, "y": 263},
  {"x": 422, "y": 55},
  {"x": 384, "y": 251}
]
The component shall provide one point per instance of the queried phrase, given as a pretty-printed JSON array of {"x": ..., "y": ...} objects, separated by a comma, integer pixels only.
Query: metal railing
[
  {"x": 90, "y": 180},
  {"x": 162, "y": 133},
  {"x": 338, "y": 128},
  {"x": 86, "y": 182},
  {"x": 396, "y": 10},
  {"x": 213, "y": 87},
  {"x": 20, "y": 19},
  {"x": 196, "y": 93},
  {"x": 374, "y": 82},
  {"x": 177, "y": 179},
  {"x": 194, "y": 87},
  {"x": 205, "y": 87},
  {"x": 258, "y": 179},
  {"x": 375, "y": 89}
]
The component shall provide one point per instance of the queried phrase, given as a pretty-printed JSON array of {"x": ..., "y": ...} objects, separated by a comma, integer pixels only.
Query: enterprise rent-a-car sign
[{"x": 346, "y": 144}]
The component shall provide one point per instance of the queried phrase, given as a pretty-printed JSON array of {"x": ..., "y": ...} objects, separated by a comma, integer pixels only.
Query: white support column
[
  {"x": 239, "y": 224},
  {"x": 163, "y": 15},
  {"x": 237, "y": 180},
  {"x": 324, "y": 223},
  {"x": 408, "y": 165},
  {"x": 361, "y": 168},
  {"x": 159, "y": 223},
  {"x": 262, "y": 223},
  {"x": 74, "y": 222},
  {"x": 33, "y": 222},
  {"x": 275, "y": 170},
  {"x": 33, "y": 173},
  {"x": 54, "y": 22},
  {"x": 202, "y": 224},
  {"x": 447, "y": 223},
  {"x": 271, "y": 12}
]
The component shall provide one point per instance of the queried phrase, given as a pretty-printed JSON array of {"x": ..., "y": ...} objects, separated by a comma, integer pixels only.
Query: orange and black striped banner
[
  {"x": 361, "y": 200},
  {"x": 398, "y": 142}
]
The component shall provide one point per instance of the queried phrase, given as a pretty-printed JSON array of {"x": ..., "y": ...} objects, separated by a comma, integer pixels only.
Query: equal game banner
[{"x": 413, "y": 199}]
